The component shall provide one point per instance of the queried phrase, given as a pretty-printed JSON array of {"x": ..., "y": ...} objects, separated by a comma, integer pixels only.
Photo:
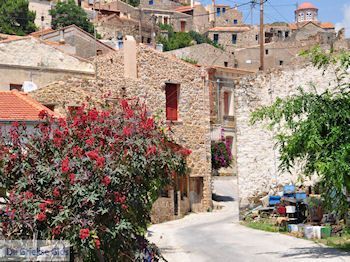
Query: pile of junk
[{"x": 298, "y": 211}]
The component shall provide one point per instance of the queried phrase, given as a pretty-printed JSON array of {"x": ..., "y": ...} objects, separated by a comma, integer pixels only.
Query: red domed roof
[{"x": 306, "y": 5}]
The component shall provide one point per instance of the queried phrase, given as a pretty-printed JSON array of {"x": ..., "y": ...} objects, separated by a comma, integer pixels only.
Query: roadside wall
[{"x": 256, "y": 158}]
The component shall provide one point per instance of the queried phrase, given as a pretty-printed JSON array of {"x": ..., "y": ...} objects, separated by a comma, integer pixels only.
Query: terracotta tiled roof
[
  {"x": 230, "y": 29},
  {"x": 17, "y": 106},
  {"x": 327, "y": 25},
  {"x": 7, "y": 38},
  {"x": 306, "y": 5},
  {"x": 183, "y": 9}
]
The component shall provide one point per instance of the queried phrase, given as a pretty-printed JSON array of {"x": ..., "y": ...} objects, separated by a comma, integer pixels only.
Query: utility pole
[{"x": 262, "y": 36}]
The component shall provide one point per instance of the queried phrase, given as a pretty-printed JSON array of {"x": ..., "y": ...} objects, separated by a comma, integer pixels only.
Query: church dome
[{"x": 306, "y": 5}]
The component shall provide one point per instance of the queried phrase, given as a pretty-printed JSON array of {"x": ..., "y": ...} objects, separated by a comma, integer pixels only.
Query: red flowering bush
[{"x": 90, "y": 178}]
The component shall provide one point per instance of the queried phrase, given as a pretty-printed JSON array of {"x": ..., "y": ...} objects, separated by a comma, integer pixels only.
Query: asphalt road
[{"x": 218, "y": 236}]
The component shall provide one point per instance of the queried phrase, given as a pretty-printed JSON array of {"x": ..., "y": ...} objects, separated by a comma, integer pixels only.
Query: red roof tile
[
  {"x": 17, "y": 106},
  {"x": 306, "y": 5}
]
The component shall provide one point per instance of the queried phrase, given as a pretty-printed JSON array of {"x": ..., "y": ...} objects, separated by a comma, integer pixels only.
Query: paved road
[{"x": 218, "y": 236}]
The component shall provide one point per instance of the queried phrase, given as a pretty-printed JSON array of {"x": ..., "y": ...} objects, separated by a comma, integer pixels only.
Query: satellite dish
[{"x": 29, "y": 86}]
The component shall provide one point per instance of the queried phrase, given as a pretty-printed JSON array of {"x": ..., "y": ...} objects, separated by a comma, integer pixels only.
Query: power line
[{"x": 279, "y": 13}]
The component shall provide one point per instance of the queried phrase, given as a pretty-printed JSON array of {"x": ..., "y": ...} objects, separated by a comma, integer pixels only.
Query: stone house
[
  {"x": 114, "y": 27},
  {"x": 232, "y": 37},
  {"x": 29, "y": 60},
  {"x": 205, "y": 55},
  {"x": 75, "y": 41},
  {"x": 199, "y": 14},
  {"x": 42, "y": 7},
  {"x": 224, "y": 15},
  {"x": 174, "y": 90}
]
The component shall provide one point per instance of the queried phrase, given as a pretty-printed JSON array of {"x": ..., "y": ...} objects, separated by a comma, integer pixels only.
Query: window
[
  {"x": 308, "y": 16},
  {"x": 224, "y": 10},
  {"x": 216, "y": 38},
  {"x": 301, "y": 17},
  {"x": 148, "y": 40},
  {"x": 234, "y": 39},
  {"x": 226, "y": 64},
  {"x": 256, "y": 37},
  {"x": 151, "y": 2},
  {"x": 267, "y": 51},
  {"x": 281, "y": 62},
  {"x": 165, "y": 20},
  {"x": 172, "y": 97},
  {"x": 16, "y": 87},
  {"x": 226, "y": 103},
  {"x": 99, "y": 52},
  {"x": 183, "y": 26},
  {"x": 235, "y": 21},
  {"x": 286, "y": 34},
  {"x": 218, "y": 11}
]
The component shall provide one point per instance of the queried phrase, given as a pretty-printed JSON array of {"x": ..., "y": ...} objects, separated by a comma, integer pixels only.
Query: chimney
[
  {"x": 130, "y": 57},
  {"x": 62, "y": 40}
]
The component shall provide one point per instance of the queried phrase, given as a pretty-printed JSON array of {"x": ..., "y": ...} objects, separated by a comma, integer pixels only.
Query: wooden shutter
[
  {"x": 226, "y": 103},
  {"x": 171, "y": 93}
]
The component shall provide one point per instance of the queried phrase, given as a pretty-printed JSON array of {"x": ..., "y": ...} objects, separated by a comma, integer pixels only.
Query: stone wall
[
  {"x": 256, "y": 158},
  {"x": 159, "y": 4},
  {"x": 155, "y": 69},
  {"x": 42, "y": 8},
  {"x": 206, "y": 54},
  {"x": 227, "y": 18}
]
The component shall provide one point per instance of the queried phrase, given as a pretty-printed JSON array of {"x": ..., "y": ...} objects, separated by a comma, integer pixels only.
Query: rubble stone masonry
[
  {"x": 154, "y": 71},
  {"x": 256, "y": 158}
]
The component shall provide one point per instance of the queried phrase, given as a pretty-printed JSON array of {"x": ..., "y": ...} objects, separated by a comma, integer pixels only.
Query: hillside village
[{"x": 201, "y": 71}]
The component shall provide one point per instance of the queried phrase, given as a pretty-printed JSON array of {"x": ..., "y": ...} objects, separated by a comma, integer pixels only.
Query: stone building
[
  {"x": 29, "y": 60},
  {"x": 199, "y": 16},
  {"x": 156, "y": 78},
  {"x": 257, "y": 157},
  {"x": 75, "y": 41},
  {"x": 42, "y": 8},
  {"x": 205, "y": 55},
  {"x": 159, "y": 4}
]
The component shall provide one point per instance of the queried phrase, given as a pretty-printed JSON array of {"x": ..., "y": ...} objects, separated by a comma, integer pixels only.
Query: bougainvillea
[
  {"x": 90, "y": 178},
  {"x": 220, "y": 155}
]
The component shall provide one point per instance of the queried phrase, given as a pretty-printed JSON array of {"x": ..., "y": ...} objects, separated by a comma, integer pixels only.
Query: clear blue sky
[{"x": 329, "y": 10}]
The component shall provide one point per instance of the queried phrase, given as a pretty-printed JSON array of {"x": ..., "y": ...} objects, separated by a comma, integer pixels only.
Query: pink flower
[
  {"x": 56, "y": 192},
  {"x": 127, "y": 131},
  {"x": 151, "y": 150},
  {"x": 42, "y": 114},
  {"x": 28, "y": 194},
  {"x": 90, "y": 141},
  {"x": 84, "y": 233},
  {"x": 71, "y": 178},
  {"x": 41, "y": 216},
  {"x": 65, "y": 165},
  {"x": 42, "y": 206},
  {"x": 97, "y": 243},
  {"x": 56, "y": 230},
  {"x": 100, "y": 162},
  {"x": 92, "y": 154},
  {"x": 106, "y": 180}
]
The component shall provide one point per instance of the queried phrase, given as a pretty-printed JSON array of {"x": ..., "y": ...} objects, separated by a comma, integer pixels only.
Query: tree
[
  {"x": 176, "y": 40},
  {"x": 90, "y": 179},
  {"x": 313, "y": 129},
  {"x": 68, "y": 13},
  {"x": 15, "y": 17}
]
